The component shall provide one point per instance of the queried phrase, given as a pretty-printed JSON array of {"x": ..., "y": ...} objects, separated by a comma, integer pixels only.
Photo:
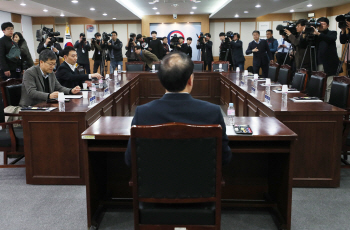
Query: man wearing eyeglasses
[{"x": 40, "y": 83}]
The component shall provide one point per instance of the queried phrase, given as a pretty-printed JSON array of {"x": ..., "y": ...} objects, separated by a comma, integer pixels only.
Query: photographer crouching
[
  {"x": 98, "y": 45},
  {"x": 205, "y": 45},
  {"x": 83, "y": 47}
]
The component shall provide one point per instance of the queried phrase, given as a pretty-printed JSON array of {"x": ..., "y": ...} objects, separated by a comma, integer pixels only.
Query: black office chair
[
  {"x": 198, "y": 66},
  {"x": 11, "y": 90},
  {"x": 284, "y": 74},
  {"x": 135, "y": 66},
  {"x": 299, "y": 81},
  {"x": 317, "y": 85},
  {"x": 215, "y": 65},
  {"x": 176, "y": 176},
  {"x": 273, "y": 72}
]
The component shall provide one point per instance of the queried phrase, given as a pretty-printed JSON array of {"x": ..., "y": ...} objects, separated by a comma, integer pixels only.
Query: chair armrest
[{"x": 12, "y": 114}]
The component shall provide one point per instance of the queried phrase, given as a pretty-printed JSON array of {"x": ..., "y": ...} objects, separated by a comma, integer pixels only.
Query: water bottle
[
  {"x": 119, "y": 69},
  {"x": 268, "y": 91},
  {"x": 230, "y": 114},
  {"x": 220, "y": 67},
  {"x": 93, "y": 89},
  {"x": 284, "y": 93},
  {"x": 61, "y": 102},
  {"x": 100, "y": 83}
]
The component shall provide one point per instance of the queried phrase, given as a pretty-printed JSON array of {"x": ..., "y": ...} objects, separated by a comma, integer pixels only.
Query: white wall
[
  {"x": 235, "y": 27},
  {"x": 28, "y": 34},
  {"x": 276, "y": 33},
  {"x": 333, "y": 25},
  {"x": 134, "y": 28},
  {"x": 36, "y": 43},
  {"x": 4, "y": 17},
  {"x": 215, "y": 29},
  {"x": 247, "y": 29},
  {"x": 122, "y": 30}
]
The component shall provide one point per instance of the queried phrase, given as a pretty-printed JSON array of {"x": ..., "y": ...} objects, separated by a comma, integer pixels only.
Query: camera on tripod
[
  {"x": 200, "y": 37},
  {"x": 342, "y": 19},
  {"x": 106, "y": 37},
  {"x": 310, "y": 25},
  {"x": 229, "y": 35},
  {"x": 44, "y": 33},
  {"x": 291, "y": 26}
]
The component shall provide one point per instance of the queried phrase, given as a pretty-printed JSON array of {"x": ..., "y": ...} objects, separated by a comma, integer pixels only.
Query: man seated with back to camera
[
  {"x": 145, "y": 56},
  {"x": 40, "y": 83},
  {"x": 186, "y": 47},
  {"x": 261, "y": 54},
  {"x": 206, "y": 46},
  {"x": 98, "y": 45},
  {"x": 177, "y": 105},
  {"x": 67, "y": 75},
  {"x": 237, "y": 51},
  {"x": 55, "y": 47},
  {"x": 344, "y": 39}
]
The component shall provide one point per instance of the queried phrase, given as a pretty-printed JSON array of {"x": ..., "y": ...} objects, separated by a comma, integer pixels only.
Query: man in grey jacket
[{"x": 40, "y": 83}]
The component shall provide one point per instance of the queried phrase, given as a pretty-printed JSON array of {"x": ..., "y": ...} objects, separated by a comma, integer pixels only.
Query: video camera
[
  {"x": 84, "y": 38},
  {"x": 200, "y": 37},
  {"x": 291, "y": 26},
  {"x": 342, "y": 19},
  {"x": 229, "y": 35},
  {"x": 106, "y": 37},
  {"x": 44, "y": 33},
  {"x": 310, "y": 25}
]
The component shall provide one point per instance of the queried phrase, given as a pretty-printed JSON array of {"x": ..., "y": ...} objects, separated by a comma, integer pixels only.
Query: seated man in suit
[
  {"x": 67, "y": 75},
  {"x": 177, "y": 105},
  {"x": 145, "y": 56},
  {"x": 40, "y": 83}
]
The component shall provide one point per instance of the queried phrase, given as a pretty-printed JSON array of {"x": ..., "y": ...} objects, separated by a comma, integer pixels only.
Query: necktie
[{"x": 283, "y": 47}]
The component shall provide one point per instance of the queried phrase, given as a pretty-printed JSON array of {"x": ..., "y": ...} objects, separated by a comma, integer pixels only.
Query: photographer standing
[
  {"x": 186, "y": 47},
  {"x": 176, "y": 43},
  {"x": 237, "y": 51},
  {"x": 83, "y": 47},
  {"x": 130, "y": 48},
  {"x": 205, "y": 45},
  {"x": 115, "y": 47},
  {"x": 55, "y": 47},
  {"x": 326, "y": 50},
  {"x": 166, "y": 48},
  {"x": 283, "y": 51},
  {"x": 344, "y": 39},
  {"x": 155, "y": 45},
  {"x": 98, "y": 47},
  {"x": 224, "y": 47}
]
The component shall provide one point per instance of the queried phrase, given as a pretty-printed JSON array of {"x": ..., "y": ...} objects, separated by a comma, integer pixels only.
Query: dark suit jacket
[
  {"x": 68, "y": 78},
  {"x": 5, "y": 47},
  {"x": 263, "y": 55},
  {"x": 178, "y": 107},
  {"x": 237, "y": 51},
  {"x": 207, "y": 51},
  {"x": 344, "y": 38},
  {"x": 83, "y": 58},
  {"x": 57, "y": 46},
  {"x": 187, "y": 49},
  {"x": 327, "y": 51}
]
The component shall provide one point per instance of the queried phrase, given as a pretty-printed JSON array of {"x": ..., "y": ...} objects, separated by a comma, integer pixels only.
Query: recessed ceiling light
[
  {"x": 291, "y": 10},
  {"x": 194, "y": 7},
  {"x": 104, "y": 14},
  {"x": 258, "y": 6},
  {"x": 309, "y": 5},
  {"x": 62, "y": 15},
  {"x": 75, "y": 1},
  {"x": 236, "y": 16},
  {"x": 157, "y": 12},
  {"x": 45, "y": 10},
  {"x": 92, "y": 9},
  {"x": 23, "y": 4},
  {"x": 246, "y": 12},
  {"x": 192, "y": 12},
  {"x": 154, "y": 8},
  {"x": 114, "y": 18}
]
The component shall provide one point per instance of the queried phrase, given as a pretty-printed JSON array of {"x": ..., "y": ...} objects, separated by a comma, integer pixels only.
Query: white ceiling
[{"x": 134, "y": 9}]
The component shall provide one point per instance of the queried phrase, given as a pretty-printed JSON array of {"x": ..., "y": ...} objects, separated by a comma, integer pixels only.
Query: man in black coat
[
  {"x": 186, "y": 47},
  {"x": 207, "y": 50},
  {"x": 237, "y": 51},
  {"x": 177, "y": 105},
  {"x": 326, "y": 52},
  {"x": 8, "y": 68},
  {"x": 344, "y": 39},
  {"x": 67, "y": 75},
  {"x": 155, "y": 46},
  {"x": 115, "y": 47},
  {"x": 83, "y": 47},
  {"x": 55, "y": 47},
  {"x": 261, "y": 54}
]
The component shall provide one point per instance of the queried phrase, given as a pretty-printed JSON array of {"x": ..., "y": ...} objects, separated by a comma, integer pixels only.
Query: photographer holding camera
[
  {"x": 130, "y": 48},
  {"x": 186, "y": 47},
  {"x": 142, "y": 41},
  {"x": 98, "y": 45},
  {"x": 54, "y": 46},
  {"x": 225, "y": 48},
  {"x": 83, "y": 47},
  {"x": 166, "y": 47},
  {"x": 115, "y": 47},
  {"x": 237, "y": 51},
  {"x": 344, "y": 39},
  {"x": 205, "y": 45}
]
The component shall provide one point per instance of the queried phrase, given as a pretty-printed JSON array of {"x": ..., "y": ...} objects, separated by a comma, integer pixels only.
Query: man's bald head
[{"x": 175, "y": 70}]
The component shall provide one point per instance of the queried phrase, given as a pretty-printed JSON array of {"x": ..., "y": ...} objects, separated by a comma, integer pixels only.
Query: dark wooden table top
[{"x": 264, "y": 128}]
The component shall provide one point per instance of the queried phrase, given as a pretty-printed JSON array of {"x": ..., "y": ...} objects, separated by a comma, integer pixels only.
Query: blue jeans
[
  {"x": 114, "y": 64},
  {"x": 240, "y": 65}
]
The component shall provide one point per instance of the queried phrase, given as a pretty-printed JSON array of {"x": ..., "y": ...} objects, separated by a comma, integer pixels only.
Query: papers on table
[
  {"x": 305, "y": 99},
  {"x": 271, "y": 84},
  {"x": 73, "y": 96},
  {"x": 38, "y": 109},
  {"x": 289, "y": 91}
]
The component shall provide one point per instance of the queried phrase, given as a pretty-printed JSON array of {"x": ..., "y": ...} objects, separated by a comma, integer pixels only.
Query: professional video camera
[
  {"x": 174, "y": 41},
  {"x": 229, "y": 35},
  {"x": 310, "y": 25},
  {"x": 342, "y": 19},
  {"x": 291, "y": 26},
  {"x": 44, "y": 33},
  {"x": 200, "y": 37},
  {"x": 106, "y": 37},
  {"x": 84, "y": 38}
]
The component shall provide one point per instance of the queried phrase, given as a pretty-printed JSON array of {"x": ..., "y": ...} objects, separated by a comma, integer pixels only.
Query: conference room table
[
  {"x": 258, "y": 176},
  {"x": 55, "y": 151}
]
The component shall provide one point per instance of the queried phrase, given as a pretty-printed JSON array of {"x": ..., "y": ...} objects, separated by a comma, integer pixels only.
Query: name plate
[{"x": 88, "y": 137}]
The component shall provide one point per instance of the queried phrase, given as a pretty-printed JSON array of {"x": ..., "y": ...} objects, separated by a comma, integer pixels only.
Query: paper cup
[{"x": 85, "y": 94}]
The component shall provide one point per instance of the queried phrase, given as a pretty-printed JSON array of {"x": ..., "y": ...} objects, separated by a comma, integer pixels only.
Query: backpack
[{"x": 14, "y": 54}]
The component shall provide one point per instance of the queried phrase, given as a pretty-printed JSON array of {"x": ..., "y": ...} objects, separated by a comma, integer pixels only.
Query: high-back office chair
[
  {"x": 340, "y": 97},
  {"x": 215, "y": 65},
  {"x": 11, "y": 139},
  {"x": 135, "y": 66},
  {"x": 198, "y": 66},
  {"x": 284, "y": 74},
  {"x": 317, "y": 85},
  {"x": 11, "y": 90},
  {"x": 273, "y": 72},
  {"x": 156, "y": 64},
  {"x": 299, "y": 80},
  {"x": 176, "y": 176}
]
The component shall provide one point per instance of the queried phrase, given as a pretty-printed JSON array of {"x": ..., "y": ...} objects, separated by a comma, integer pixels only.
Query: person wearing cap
[
  {"x": 145, "y": 56},
  {"x": 155, "y": 45},
  {"x": 207, "y": 50},
  {"x": 130, "y": 48},
  {"x": 186, "y": 47},
  {"x": 166, "y": 47},
  {"x": 97, "y": 45},
  {"x": 115, "y": 47},
  {"x": 83, "y": 47}
]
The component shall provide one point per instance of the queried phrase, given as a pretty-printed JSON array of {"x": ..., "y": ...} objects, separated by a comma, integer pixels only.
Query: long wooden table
[
  {"x": 259, "y": 175},
  {"x": 54, "y": 150}
]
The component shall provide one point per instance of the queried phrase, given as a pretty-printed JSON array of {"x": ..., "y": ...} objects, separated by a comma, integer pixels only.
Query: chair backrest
[
  {"x": 11, "y": 90},
  {"x": 176, "y": 161},
  {"x": 340, "y": 95},
  {"x": 317, "y": 85},
  {"x": 215, "y": 65},
  {"x": 299, "y": 81},
  {"x": 135, "y": 66},
  {"x": 273, "y": 72},
  {"x": 157, "y": 64},
  {"x": 284, "y": 74},
  {"x": 198, "y": 66},
  {"x": 2, "y": 112}
]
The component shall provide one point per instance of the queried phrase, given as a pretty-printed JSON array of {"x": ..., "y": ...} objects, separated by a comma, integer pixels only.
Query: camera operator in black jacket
[
  {"x": 186, "y": 47},
  {"x": 83, "y": 47},
  {"x": 206, "y": 46},
  {"x": 115, "y": 47},
  {"x": 130, "y": 48},
  {"x": 344, "y": 39},
  {"x": 98, "y": 46},
  {"x": 237, "y": 51},
  {"x": 55, "y": 47}
]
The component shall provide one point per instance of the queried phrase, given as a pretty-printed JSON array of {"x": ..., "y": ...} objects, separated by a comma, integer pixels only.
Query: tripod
[
  {"x": 345, "y": 52},
  {"x": 312, "y": 57}
]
